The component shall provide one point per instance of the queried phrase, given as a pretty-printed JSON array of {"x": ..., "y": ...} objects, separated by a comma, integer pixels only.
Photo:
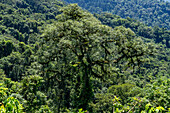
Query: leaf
[
  {"x": 147, "y": 106},
  {"x": 150, "y": 111},
  {"x": 75, "y": 65}
]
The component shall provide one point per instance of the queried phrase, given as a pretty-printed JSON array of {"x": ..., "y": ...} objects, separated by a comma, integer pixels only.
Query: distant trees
[
  {"x": 150, "y": 12},
  {"x": 6, "y": 48},
  {"x": 22, "y": 22},
  {"x": 158, "y": 34}
]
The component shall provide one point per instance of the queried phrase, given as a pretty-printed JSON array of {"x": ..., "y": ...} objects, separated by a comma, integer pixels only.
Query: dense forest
[
  {"x": 59, "y": 58},
  {"x": 151, "y": 12}
]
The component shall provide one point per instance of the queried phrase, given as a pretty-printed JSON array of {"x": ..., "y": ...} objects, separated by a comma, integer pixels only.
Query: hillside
[
  {"x": 58, "y": 58},
  {"x": 21, "y": 19},
  {"x": 159, "y": 35},
  {"x": 151, "y": 12}
]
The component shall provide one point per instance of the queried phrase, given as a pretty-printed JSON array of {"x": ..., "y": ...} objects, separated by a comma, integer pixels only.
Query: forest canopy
[
  {"x": 58, "y": 58},
  {"x": 151, "y": 12}
]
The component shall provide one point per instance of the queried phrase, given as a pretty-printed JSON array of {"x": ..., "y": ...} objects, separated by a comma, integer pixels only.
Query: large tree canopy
[{"x": 78, "y": 46}]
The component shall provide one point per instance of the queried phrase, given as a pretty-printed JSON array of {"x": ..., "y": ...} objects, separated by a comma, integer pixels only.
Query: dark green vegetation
[
  {"x": 57, "y": 58},
  {"x": 159, "y": 35},
  {"x": 151, "y": 12}
]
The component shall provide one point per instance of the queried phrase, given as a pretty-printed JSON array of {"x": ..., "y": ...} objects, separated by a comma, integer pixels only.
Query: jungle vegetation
[
  {"x": 58, "y": 58},
  {"x": 153, "y": 13}
]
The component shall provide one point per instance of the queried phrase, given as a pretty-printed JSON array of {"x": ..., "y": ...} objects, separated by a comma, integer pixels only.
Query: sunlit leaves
[{"x": 7, "y": 102}]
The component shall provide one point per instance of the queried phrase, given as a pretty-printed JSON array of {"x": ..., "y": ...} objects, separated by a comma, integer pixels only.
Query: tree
[
  {"x": 9, "y": 101},
  {"x": 79, "y": 48},
  {"x": 6, "y": 48},
  {"x": 31, "y": 91}
]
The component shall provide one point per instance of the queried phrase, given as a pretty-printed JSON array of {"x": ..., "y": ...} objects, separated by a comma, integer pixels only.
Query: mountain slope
[
  {"x": 21, "y": 19},
  {"x": 151, "y": 12},
  {"x": 158, "y": 34}
]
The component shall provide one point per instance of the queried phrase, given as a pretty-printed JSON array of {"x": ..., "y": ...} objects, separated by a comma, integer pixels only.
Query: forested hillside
[
  {"x": 159, "y": 35},
  {"x": 151, "y": 12},
  {"x": 58, "y": 58}
]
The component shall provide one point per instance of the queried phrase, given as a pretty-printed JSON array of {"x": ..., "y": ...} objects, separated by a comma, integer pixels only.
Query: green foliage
[
  {"x": 81, "y": 111},
  {"x": 122, "y": 91},
  {"x": 152, "y": 98},
  {"x": 64, "y": 59},
  {"x": 6, "y": 48},
  {"x": 44, "y": 108},
  {"x": 158, "y": 93},
  {"x": 20, "y": 21},
  {"x": 30, "y": 91},
  {"x": 87, "y": 49},
  {"x": 11, "y": 105},
  {"x": 8, "y": 103},
  {"x": 14, "y": 71},
  {"x": 158, "y": 34},
  {"x": 102, "y": 102},
  {"x": 150, "y": 12}
]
